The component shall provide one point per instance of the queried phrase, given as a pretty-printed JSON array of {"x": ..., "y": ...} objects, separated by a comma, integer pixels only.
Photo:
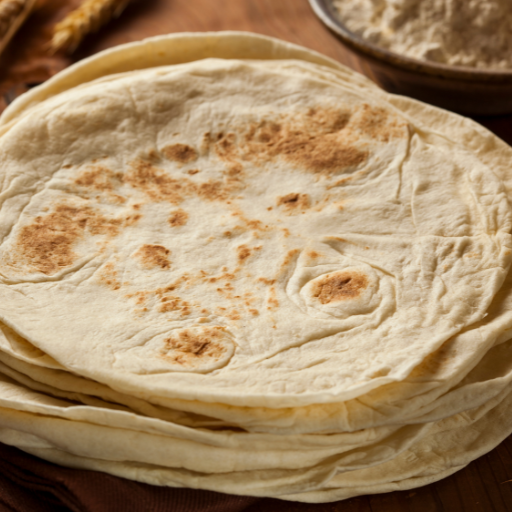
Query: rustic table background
[{"x": 486, "y": 484}]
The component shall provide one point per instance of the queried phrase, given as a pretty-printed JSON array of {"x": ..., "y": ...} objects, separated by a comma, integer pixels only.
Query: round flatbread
[{"x": 250, "y": 251}]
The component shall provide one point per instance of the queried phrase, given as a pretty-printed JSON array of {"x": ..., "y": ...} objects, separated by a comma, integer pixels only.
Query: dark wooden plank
[{"x": 291, "y": 20}]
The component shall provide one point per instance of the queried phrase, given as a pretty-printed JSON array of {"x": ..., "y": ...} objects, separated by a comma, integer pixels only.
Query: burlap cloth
[{"x": 28, "y": 484}]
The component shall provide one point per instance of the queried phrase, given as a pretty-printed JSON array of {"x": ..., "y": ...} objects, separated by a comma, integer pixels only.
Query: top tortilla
[{"x": 389, "y": 259}]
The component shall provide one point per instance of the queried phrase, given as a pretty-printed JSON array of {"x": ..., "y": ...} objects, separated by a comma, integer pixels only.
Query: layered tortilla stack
[{"x": 230, "y": 263}]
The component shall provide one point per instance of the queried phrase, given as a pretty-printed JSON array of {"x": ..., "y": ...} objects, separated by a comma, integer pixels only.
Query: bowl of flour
[{"x": 456, "y": 54}]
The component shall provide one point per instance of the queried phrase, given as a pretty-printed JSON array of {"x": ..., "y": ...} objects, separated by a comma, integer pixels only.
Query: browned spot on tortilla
[
  {"x": 173, "y": 303},
  {"x": 180, "y": 153},
  {"x": 193, "y": 171},
  {"x": 152, "y": 256},
  {"x": 253, "y": 224},
  {"x": 233, "y": 315},
  {"x": 158, "y": 185},
  {"x": 316, "y": 141},
  {"x": 140, "y": 297},
  {"x": 161, "y": 186},
  {"x": 293, "y": 202},
  {"x": 213, "y": 190},
  {"x": 47, "y": 243},
  {"x": 290, "y": 255},
  {"x": 321, "y": 155},
  {"x": 130, "y": 220},
  {"x": 234, "y": 171},
  {"x": 178, "y": 218},
  {"x": 266, "y": 281},
  {"x": 254, "y": 312},
  {"x": 272, "y": 299},
  {"x": 375, "y": 122},
  {"x": 108, "y": 276},
  {"x": 322, "y": 140},
  {"x": 173, "y": 286},
  {"x": 101, "y": 179},
  {"x": 97, "y": 177},
  {"x": 225, "y": 276},
  {"x": 152, "y": 155},
  {"x": 190, "y": 346},
  {"x": 225, "y": 147},
  {"x": 243, "y": 253},
  {"x": 328, "y": 120},
  {"x": 313, "y": 254},
  {"x": 339, "y": 286}
]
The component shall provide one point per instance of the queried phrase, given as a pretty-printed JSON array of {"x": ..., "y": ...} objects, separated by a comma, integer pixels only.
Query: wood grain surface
[{"x": 486, "y": 484}]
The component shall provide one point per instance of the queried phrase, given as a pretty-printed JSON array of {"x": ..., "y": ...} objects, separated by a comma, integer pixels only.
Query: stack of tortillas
[{"x": 230, "y": 263}]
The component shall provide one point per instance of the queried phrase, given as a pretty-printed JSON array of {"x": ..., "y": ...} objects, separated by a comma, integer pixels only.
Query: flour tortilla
[
  {"x": 120, "y": 435},
  {"x": 83, "y": 391},
  {"x": 446, "y": 450},
  {"x": 355, "y": 78},
  {"x": 489, "y": 377},
  {"x": 487, "y": 380},
  {"x": 387, "y": 265},
  {"x": 451, "y": 444}
]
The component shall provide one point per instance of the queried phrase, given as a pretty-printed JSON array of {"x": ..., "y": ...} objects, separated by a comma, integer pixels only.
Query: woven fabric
[{"x": 29, "y": 484}]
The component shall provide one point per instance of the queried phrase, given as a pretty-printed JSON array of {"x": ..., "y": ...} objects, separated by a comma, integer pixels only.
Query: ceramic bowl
[{"x": 460, "y": 89}]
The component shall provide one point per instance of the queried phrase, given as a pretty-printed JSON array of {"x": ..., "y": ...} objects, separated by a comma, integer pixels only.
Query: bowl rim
[{"x": 325, "y": 10}]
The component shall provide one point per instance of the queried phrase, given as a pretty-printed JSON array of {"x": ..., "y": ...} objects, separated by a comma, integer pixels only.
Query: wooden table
[{"x": 483, "y": 486}]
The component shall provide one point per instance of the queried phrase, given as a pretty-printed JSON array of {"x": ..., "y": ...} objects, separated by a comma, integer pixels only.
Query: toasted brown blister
[
  {"x": 181, "y": 153},
  {"x": 154, "y": 256},
  {"x": 294, "y": 202},
  {"x": 195, "y": 347},
  {"x": 340, "y": 286},
  {"x": 47, "y": 243},
  {"x": 178, "y": 218}
]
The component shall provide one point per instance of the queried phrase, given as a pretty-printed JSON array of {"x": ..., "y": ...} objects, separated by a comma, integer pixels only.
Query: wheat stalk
[
  {"x": 13, "y": 14},
  {"x": 10, "y": 10},
  {"x": 89, "y": 17}
]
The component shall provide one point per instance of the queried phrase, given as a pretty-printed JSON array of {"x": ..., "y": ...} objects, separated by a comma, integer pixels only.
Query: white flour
[{"x": 475, "y": 33}]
